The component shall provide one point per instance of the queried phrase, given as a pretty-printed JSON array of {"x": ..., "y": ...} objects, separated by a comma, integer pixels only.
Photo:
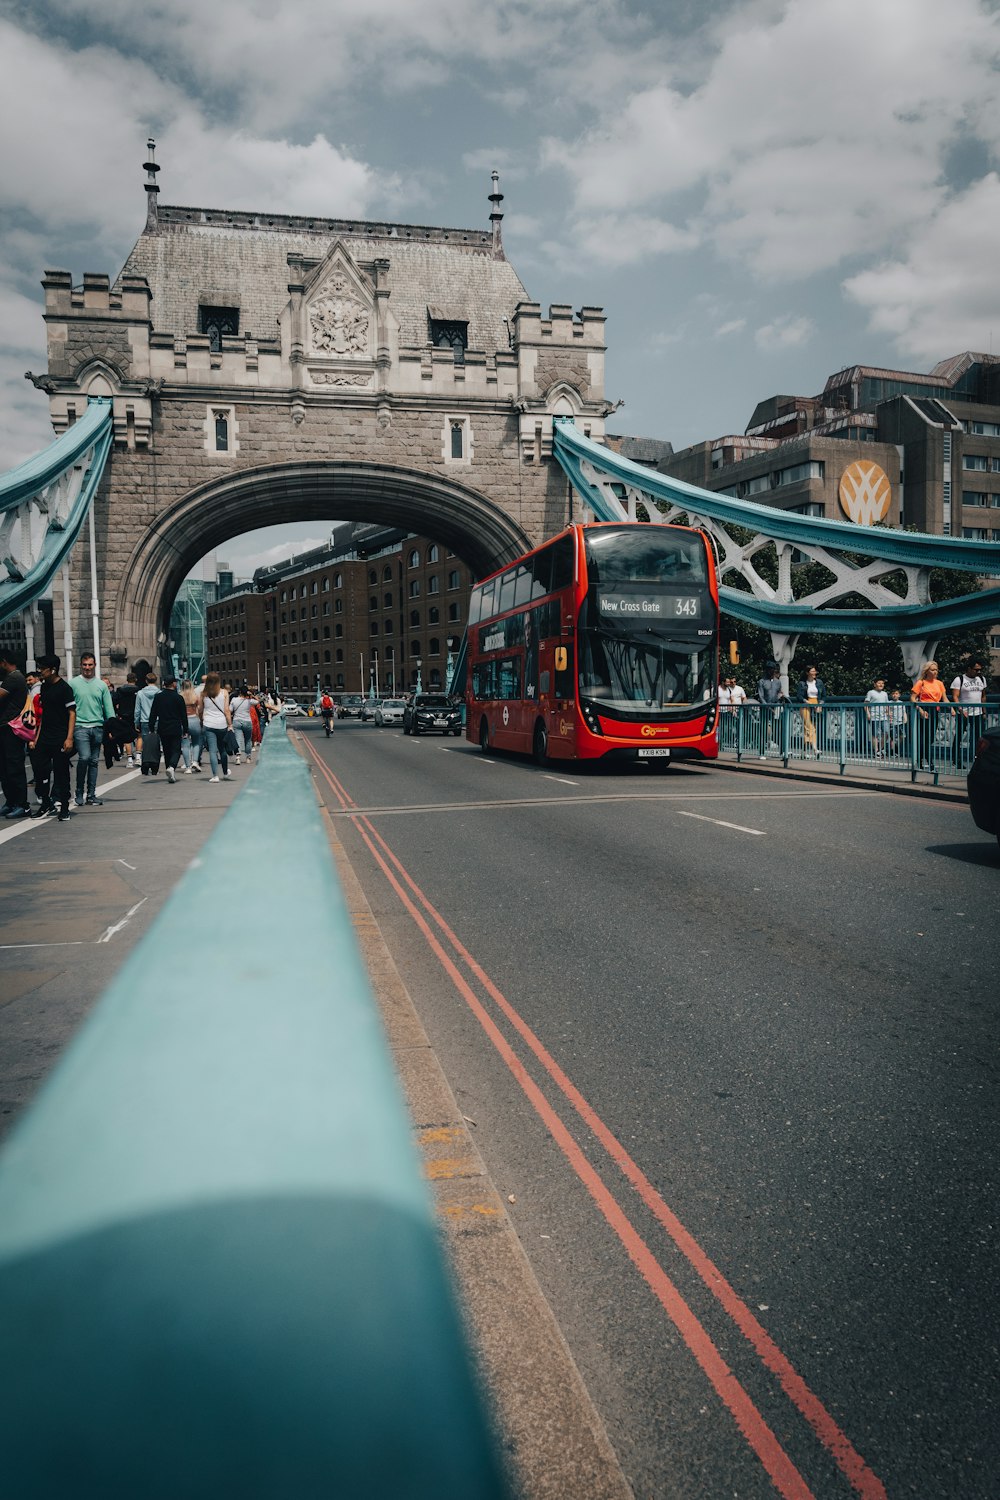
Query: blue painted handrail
[
  {"x": 87, "y": 441},
  {"x": 919, "y": 548},
  {"x": 219, "y": 1268}
]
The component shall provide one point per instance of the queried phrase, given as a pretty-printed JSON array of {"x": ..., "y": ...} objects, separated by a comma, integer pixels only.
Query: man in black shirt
[
  {"x": 53, "y": 742},
  {"x": 13, "y": 778},
  {"x": 168, "y": 715}
]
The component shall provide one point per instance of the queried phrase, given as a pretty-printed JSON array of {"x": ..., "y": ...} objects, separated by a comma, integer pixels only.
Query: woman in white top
[
  {"x": 216, "y": 721},
  {"x": 239, "y": 707}
]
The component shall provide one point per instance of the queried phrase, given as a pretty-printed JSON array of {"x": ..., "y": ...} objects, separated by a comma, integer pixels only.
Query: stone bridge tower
[{"x": 266, "y": 368}]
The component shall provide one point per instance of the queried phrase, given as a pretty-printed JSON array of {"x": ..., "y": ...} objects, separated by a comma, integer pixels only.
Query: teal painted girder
[
  {"x": 59, "y": 483},
  {"x": 575, "y": 453}
]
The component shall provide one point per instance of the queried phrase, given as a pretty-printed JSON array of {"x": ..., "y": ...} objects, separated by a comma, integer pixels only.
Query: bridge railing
[
  {"x": 930, "y": 740},
  {"x": 219, "y": 1267}
]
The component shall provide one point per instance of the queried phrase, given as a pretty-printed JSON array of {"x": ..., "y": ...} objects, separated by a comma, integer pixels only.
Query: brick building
[{"x": 376, "y": 605}]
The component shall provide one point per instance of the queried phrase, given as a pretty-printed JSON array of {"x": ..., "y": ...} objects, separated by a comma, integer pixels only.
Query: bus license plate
[{"x": 653, "y": 750}]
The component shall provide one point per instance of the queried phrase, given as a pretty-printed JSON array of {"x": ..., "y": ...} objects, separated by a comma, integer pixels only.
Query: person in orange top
[{"x": 928, "y": 689}]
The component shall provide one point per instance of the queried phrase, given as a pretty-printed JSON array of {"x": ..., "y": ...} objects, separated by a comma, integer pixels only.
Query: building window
[
  {"x": 976, "y": 461},
  {"x": 219, "y": 323},
  {"x": 339, "y": 653},
  {"x": 414, "y": 619},
  {"x": 435, "y": 678},
  {"x": 373, "y": 601},
  {"x": 220, "y": 429},
  {"x": 338, "y": 606},
  {"x": 433, "y": 615},
  {"x": 387, "y": 601},
  {"x": 326, "y": 632},
  {"x": 433, "y": 584},
  {"x": 338, "y": 580},
  {"x": 387, "y": 628},
  {"x": 414, "y": 588},
  {"x": 432, "y": 552},
  {"x": 338, "y": 631},
  {"x": 433, "y": 646},
  {"x": 453, "y": 579},
  {"x": 447, "y": 333},
  {"x": 457, "y": 430},
  {"x": 413, "y": 560},
  {"x": 326, "y": 585},
  {"x": 387, "y": 574},
  {"x": 453, "y": 613}
]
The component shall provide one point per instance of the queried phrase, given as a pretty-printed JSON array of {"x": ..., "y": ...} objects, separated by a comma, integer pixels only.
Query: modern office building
[{"x": 375, "y": 609}]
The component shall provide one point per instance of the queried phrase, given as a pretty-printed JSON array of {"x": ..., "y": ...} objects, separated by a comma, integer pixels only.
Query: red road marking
[{"x": 865, "y": 1482}]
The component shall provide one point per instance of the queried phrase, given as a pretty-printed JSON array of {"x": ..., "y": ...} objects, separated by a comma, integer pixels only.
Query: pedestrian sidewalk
[
  {"x": 76, "y": 897},
  {"x": 872, "y": 778}
]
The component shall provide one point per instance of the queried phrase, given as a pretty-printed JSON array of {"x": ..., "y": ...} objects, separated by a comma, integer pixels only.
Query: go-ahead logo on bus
[{"x": 865, "y": 493}]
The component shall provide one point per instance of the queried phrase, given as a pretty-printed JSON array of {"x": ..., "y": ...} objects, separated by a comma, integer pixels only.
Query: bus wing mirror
[{"x": 562, "y": 658}]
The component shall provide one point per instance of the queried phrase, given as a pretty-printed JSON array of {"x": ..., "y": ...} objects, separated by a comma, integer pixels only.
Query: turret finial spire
[
  {"x": 150, "y": 168},
  {"x": 496, "y": 214}
]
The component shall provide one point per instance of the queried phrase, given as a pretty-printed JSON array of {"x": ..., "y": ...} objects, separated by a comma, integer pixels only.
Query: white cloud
[
  {"x": 785, "y": 332},
  {"x": 624, "y": 239},
  {"x": 817, "y": 132},
  {"x": 943, "y": 295},
  {"x": 725, "y": 330}
]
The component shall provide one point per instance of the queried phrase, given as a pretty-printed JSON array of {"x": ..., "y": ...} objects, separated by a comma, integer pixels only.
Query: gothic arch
[{"x": 475, "y": 528}]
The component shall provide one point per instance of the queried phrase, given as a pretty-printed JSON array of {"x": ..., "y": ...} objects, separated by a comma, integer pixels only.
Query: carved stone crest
[{"x": 339, "y": 321}]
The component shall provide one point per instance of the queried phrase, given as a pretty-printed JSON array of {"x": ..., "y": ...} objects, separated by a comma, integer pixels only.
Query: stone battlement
[{"x": 257, "y": 223}]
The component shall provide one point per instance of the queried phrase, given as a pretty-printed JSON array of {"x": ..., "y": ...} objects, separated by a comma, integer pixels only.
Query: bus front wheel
[
  {"x": 484, "y": 736},
  {"x": 540, "y": 745}
]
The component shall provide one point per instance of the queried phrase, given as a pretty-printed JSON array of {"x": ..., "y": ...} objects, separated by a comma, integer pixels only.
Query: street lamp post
[{"x": 420, "y": 686}]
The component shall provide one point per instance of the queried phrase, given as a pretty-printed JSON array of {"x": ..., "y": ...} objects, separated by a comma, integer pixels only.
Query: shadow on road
[{"x": 985, "y": 852}]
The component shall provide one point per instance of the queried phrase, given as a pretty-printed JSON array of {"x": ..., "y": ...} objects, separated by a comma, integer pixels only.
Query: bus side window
[
  {"x": 541, "y": 572},
  {"x": 486, "y": 609},
  {"x": 543, "y": 684},
  {"x": 505, "y": 593},
  {"x": 562, "y": 562}
]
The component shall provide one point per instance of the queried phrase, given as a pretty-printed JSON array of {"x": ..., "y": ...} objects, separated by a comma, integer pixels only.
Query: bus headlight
[{"x": 590, "y": 718}]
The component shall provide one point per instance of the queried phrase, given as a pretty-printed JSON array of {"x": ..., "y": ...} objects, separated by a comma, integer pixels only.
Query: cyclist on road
[{"x": 326, "y": 709}]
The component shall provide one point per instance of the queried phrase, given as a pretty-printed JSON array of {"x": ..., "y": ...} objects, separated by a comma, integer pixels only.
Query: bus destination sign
[{"x": 651, "y": 607}]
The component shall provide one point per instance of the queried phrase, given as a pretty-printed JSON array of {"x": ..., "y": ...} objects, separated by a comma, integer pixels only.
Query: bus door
[{"x": 562, "y": 702}]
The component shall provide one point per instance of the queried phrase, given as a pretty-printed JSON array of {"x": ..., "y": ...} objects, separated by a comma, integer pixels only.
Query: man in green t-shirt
[{"x": 93, "y": 708}]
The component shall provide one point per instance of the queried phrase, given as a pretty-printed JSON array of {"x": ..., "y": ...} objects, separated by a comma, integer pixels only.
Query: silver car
[{"x": 389, "y": 711}]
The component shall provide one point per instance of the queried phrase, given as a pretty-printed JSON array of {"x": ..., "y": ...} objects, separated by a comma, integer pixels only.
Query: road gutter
[{"x": 551, "y": 1434}]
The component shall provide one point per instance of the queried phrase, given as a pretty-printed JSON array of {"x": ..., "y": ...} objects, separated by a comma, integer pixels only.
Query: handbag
[
  {"x": 24, "y": 726},
  {"x": 231, "y": 743}
]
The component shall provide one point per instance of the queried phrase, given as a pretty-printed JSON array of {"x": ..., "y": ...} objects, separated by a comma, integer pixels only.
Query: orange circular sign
[{"x": 865, "y": 493}]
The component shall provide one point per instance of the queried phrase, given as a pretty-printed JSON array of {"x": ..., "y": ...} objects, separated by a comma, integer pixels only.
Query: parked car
[
  {"x": 430, "y": 712},
  {"x": 984, "y": 784},
  {"x": 351, "y": 705},
  {"x": 389, "y": 711}
]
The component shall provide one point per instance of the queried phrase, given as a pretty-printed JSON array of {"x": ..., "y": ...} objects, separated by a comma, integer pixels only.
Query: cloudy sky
[{"x": 758, "y": 192}]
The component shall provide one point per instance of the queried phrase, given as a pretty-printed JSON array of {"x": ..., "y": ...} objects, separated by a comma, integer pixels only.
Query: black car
[
  {"x": 351, "y": 705},
  {"x": 427, "y": 713},
  {"x": 984, "y": 784}
]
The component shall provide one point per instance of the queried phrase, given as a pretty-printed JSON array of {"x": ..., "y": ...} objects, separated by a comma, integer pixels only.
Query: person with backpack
[{"x": 326, "y": 709}]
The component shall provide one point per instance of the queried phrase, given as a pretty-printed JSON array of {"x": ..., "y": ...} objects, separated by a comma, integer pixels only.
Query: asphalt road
[{"x": 729, "y": 1047}]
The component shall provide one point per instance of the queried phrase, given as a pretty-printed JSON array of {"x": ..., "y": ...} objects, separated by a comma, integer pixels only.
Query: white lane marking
[
  {"x": 76, "y": 943},
  {"x": 126, "y": 864},
  {"x": 757, "y": 832},
  {"x": 26, "y": 825},
  {"x": 107, "y": 936},
  {"x": 561, "y": 779}
]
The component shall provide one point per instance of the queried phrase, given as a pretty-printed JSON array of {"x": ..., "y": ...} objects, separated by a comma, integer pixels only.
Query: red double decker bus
[{"x": 603, "y": 644}]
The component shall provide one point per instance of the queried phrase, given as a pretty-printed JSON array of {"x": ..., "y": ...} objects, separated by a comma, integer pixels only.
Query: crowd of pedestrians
[
  {"x": 47, "y": 721},
  {"x": 946, "y": 722}
]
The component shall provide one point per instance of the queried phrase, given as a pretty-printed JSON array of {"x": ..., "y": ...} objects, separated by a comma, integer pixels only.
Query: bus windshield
[
  {"x": 646, "y": 670},
  {"x": 645, "y": 555}
]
